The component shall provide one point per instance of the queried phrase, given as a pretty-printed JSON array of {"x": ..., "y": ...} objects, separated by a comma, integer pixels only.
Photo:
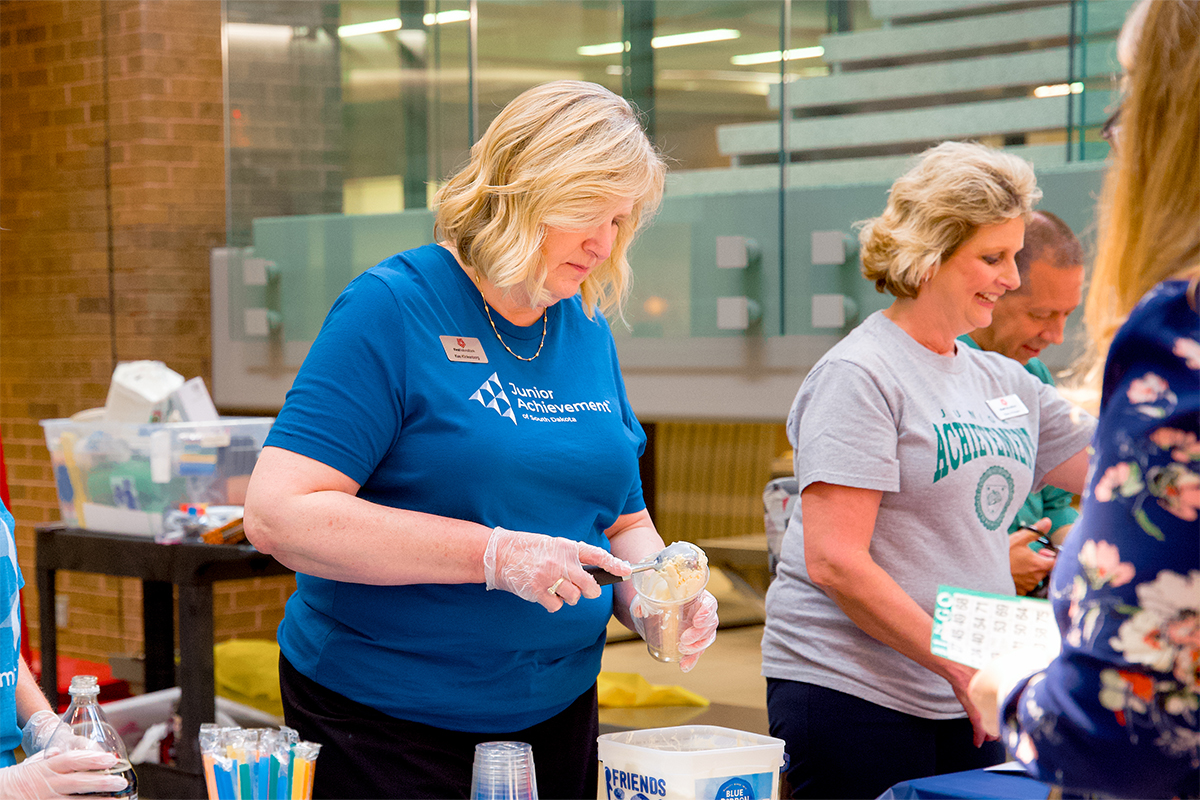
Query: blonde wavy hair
[
  {"x": 557, "y": 156},
  {"x": 954, "y": 189},
  {"x": 1149, "y": 211}
]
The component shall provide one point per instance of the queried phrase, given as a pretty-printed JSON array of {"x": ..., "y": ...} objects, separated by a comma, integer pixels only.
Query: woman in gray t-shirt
[{"x": 912, "y": 457}]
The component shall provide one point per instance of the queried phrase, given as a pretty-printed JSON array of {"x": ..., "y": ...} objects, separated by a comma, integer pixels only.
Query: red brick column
[{"x": 112, "y": 192}]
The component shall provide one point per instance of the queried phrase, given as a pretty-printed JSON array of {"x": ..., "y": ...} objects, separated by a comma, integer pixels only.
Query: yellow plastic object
[
  {"x": 247, "y": 671},
  {"x": 631, "y": 690}
]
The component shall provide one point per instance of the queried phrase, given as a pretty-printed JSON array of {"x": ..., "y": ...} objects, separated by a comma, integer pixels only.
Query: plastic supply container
[
  {"x": 124, "y": 477},
  {"x": 689, "y": 762}
]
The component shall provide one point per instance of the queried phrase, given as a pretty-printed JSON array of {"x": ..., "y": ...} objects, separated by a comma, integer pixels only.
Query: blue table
[{"x": 976, "y": 784}]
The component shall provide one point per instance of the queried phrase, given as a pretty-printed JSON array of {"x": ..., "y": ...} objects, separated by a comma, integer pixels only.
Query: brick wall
[{"x": 112, "y": 192}]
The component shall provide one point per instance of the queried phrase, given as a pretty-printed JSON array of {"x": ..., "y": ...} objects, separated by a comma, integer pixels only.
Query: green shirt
[{"x": 1050, "y": 501}]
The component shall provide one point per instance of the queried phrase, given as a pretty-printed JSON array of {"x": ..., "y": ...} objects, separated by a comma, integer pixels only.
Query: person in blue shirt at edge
[
  {"x": 461, "y": 425},
  {"x": 57, "y": 764},
  {"x": 1117, "y": 712},
  {"x": 1025, "y": 321}
]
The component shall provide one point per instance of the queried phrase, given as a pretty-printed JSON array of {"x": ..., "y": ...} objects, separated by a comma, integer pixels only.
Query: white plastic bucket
[{"x": 689, "y": 762}]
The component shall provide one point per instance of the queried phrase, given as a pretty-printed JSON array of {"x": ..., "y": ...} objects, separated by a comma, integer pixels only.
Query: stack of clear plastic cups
[{"x": 503, "y": 771}]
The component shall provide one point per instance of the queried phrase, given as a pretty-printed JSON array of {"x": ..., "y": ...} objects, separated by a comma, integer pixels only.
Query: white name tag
[
  {"x": 1007, "y": 407},
  {"x": 464, "y": 348}
]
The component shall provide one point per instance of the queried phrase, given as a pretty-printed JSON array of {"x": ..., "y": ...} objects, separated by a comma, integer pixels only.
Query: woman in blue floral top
[{"x": 1118, "y": 711}]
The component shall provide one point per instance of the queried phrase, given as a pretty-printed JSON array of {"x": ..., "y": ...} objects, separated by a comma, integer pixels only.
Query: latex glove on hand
[
  {"x": 43, "y": 728},
  {"x": 545, "y": 569},
  {"x": 45, "y": 731},
  {"x": 60, "y": 775},
  {"x": 701, "y": 627}
]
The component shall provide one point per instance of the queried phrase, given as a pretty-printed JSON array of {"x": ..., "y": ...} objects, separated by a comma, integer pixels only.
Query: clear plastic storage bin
[{"x": 123, "y": 477}]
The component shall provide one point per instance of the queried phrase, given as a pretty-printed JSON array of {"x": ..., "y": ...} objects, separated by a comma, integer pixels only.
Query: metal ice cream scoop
[{"x": 689, "y": 552}]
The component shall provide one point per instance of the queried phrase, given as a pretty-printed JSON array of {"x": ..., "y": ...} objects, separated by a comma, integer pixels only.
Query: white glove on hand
[
  {"x": 42, "y": 777},
  {"x": 41, "y": 729},
  {"x": 45, "y": 731},
  {"x": 531, "y": 564},
  {"x": 701, "y": 631}
]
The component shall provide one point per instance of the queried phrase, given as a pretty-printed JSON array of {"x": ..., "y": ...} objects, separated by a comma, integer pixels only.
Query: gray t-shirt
[{"x": 880, "y": 411}]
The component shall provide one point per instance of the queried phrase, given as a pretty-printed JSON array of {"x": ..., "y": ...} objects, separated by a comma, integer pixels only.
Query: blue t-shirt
[
  {"x": 10, "y": 631},
  {"x": 549, "y": 446}
]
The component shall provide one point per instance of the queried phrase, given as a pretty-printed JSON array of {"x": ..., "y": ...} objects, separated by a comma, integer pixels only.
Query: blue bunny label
[{"x": 758, "y": 786}]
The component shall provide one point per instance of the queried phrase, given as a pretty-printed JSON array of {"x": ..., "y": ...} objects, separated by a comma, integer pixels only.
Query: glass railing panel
[
  {"x": 285, "y": 134},
  {"x": 784, "y": 123},
  {"x": 712, "y": 65},
  {"x": 406, "y": 94},
  {"x": 1096, "y": 72}
]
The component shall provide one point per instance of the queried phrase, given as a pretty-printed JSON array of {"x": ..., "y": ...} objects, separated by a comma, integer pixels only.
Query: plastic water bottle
[{"x": 87, "y": 720}]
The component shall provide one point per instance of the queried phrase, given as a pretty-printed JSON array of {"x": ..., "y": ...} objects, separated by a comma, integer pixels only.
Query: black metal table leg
[{"x": 158, "y": 621}]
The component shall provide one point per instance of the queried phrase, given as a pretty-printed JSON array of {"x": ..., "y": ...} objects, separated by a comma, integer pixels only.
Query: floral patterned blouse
[{"x": 1117, "y": 712}]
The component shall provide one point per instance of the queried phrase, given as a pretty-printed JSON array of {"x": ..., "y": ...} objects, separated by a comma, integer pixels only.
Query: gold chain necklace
[{"x": 496, "y": 331}]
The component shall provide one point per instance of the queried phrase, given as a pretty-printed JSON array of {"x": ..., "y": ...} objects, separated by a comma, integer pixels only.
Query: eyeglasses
[{"x": 1111, "y": 128}]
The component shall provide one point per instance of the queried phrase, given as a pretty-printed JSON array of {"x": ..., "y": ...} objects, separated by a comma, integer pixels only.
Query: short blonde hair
[
  {"x": 556, "y": 156},
  {"x": 1150, "y": 205},
  {"x": 954, "y": 189}
]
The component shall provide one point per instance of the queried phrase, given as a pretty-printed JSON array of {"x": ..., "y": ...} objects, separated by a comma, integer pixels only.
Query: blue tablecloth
[{"x": 976, "y": 784}]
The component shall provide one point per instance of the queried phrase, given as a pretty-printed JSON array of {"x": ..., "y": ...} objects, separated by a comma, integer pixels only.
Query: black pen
[{"x": 1043, "y": 539}]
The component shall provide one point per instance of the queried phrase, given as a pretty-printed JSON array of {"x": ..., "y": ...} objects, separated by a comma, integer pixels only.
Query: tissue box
[
  {"x": 122, "y": 477},
  {"x": 140, "y": 391}
]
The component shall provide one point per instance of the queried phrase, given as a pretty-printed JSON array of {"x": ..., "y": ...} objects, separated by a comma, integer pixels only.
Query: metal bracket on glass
[
  {"x": 833, "y": 248},
  {"x": 833, "y": 311},
  {"x": 262, "y": 322},
  {"x": 740, "y": 312}
]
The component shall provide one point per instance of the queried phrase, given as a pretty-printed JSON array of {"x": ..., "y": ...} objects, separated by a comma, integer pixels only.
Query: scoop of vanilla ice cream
[{"x": 678, "y": 577}]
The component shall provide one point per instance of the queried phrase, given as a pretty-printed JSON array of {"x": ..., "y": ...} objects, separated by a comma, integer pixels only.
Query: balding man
[{"x": 1025, "y": 322}]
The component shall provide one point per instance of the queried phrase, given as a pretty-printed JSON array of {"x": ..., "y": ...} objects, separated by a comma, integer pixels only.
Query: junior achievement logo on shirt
[
  {"x": 491, "y": 395},
  {"x": 533, "y": 403}
]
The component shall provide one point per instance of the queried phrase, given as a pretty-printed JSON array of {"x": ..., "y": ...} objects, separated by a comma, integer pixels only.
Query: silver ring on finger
[{"x": 554, "y": 587}]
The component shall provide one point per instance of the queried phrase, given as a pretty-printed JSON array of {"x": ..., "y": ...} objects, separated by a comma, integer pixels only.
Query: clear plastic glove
[
  {"x": 41, "y": 729},
  {"x": 45, "y": 731},
  {"x": 60, "y": 775},
  {"x": 701, "y": 631},
  {"x": 530, "y": 565}
]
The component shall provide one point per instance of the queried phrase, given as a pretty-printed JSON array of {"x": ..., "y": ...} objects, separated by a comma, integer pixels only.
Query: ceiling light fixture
[
  {"x": 1058, "y": 89},
  {"x": 658, "y": 42},
  {"x": 607, "y": 49},
  {"x": 363, "y": 28},
  {"x": 775, "y": 56},
  {"x": 444, "y": 17},
  {"x": 394, "y": 24},
  {"x": 259, "y": 32}
]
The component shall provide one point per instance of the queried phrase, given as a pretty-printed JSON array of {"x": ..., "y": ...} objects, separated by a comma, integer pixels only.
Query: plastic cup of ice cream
[{"x": 669, "y": 596}]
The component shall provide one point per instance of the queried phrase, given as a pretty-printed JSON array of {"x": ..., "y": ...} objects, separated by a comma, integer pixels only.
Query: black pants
[
  {"x": 841, "y": 746},
  {"x": 367, "y": 754}
]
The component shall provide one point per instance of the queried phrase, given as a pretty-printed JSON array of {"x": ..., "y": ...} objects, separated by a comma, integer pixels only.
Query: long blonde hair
[
  {"x": 1150, "y": 205},
  {"x": 557, "y": 155}
]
